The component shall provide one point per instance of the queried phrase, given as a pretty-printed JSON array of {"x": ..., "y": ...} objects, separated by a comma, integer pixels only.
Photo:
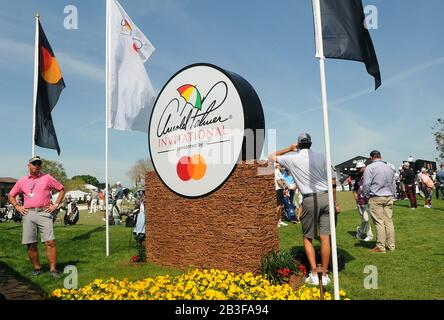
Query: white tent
[
  {"x": 91, "y": 187},
  {"x": 76, "y": 194}
]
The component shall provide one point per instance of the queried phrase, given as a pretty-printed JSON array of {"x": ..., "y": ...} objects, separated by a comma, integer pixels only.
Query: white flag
[{"x": 130, "y": 92}]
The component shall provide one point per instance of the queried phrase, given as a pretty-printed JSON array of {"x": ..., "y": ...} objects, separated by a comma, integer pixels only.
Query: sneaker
[
  {"x": 368, "y": 238},
  {"x": 413, "y": 208},
  {"x": 55, "y": 274},
  {"x": 325, "y": 280},
  {"x": 377, "y": 250},
  {"x": 312, "y": 279},
  {"x": 358, "y": 233},
  {"x": 37, "y": 272},
  {"x": 282, "y": 223}
]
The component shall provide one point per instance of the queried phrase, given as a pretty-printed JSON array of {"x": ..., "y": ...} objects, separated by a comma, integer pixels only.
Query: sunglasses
[{"x": 36, "y": 163}]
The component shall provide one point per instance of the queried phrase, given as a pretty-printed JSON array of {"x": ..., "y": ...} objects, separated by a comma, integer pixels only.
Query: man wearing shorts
[
  {"x": 37, "y": 212},
  {"x": 309, "y": 170}
]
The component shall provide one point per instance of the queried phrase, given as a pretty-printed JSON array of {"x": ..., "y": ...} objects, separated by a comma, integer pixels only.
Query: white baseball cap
[{"x": 360, "y": 164}]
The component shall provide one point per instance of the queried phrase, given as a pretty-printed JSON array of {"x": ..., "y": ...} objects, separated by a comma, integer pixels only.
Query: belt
[
  {"x": 36, "y": 209},
  {"x": 375, "y": 196},
  {"x": 307, "y": 195}
]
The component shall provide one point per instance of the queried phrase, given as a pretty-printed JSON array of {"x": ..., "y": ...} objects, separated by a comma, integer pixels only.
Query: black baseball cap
[
  {"x": 375, "y": 153},
  {"x": 304, "y": 138}
]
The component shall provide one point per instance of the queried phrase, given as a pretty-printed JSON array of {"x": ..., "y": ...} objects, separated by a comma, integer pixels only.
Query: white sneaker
[
  {"x": 282, "y": 223},
  {"x": 368, "y": 238},
  {"x": 312, "y": 279},
  {"x": 325, "y": 280}
]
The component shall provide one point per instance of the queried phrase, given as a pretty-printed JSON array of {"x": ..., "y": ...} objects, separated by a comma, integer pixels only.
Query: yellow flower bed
[{"x": 195, "y": 285}]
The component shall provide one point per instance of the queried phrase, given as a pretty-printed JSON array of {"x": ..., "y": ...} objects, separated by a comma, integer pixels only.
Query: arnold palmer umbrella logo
[{"x": 197, "y": 127}]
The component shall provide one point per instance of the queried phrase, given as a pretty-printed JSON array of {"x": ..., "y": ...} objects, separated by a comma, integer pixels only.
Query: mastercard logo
[{"x": 193, "y": 167}]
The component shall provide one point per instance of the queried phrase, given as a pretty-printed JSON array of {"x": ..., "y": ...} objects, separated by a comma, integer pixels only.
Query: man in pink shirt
[{"x": 37, "y": 212}]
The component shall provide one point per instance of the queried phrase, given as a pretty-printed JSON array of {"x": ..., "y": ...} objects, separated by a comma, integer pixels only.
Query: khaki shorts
[
  {"x": 315, "y": 216},
  {"x": 37, "y": 220}
]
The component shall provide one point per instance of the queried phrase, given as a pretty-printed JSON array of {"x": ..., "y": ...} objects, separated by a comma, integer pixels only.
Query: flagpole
[
  {"x": 331, "y": 205},
  {"x": 36, "y": 72},
  {"x": 107, "y": 74}
]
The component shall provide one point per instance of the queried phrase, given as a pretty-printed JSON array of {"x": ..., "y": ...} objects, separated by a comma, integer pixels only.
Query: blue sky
[{"x": 269, "y": 43}]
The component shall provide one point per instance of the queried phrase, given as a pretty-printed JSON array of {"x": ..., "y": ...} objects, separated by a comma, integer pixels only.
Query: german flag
[{"x": 50, "y": 86}]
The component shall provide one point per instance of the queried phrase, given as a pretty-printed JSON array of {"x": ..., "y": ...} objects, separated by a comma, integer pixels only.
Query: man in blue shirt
[
  {"x": 379, "y": 187},
  {"x": 118, "y": 198}
]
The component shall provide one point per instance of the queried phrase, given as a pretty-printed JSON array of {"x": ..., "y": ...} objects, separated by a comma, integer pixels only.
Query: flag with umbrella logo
[
  {"x": 129, "y": 89},
  {"x": 191, "y": 95},
  {"x": 49, "y": 88}
]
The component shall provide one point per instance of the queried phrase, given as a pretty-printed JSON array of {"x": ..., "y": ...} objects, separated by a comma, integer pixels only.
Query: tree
[
  {"x": 88, "y": 180},
  {"x": 75, "y": 184},
  {"x": 139, "y": 169},
  {"x": 438, "y": 132},
  {"x": 55, "y": 169}
]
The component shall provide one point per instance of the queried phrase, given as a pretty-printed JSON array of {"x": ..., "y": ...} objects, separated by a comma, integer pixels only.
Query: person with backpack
[{"x": 290, "y": 189}]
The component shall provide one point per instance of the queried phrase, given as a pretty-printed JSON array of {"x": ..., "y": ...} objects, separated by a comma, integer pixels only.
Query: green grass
[
  {"x": 414, "y": 271},
  {"x": 83, "y": 246}
]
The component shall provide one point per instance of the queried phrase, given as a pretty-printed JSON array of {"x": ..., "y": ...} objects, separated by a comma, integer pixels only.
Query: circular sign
[{"x": 197, "y": 132}]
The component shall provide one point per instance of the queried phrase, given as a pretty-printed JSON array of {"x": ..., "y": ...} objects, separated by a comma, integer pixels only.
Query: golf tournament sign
[{"x": 199, "y": 129}]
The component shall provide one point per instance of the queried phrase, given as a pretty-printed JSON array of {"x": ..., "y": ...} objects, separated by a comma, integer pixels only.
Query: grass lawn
[{"x": 414, "y": 271}]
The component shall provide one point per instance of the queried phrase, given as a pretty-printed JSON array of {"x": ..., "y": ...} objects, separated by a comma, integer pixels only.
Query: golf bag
[
  {"x": 131, "y": 218},
  {"x": 10, "y": 213},
  {"x": 289, "y": 209},
  {"x": 72, "y": 213}
]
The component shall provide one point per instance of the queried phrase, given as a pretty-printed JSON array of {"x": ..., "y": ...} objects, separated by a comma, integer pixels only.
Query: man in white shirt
[{"x": 309, "y": 170}]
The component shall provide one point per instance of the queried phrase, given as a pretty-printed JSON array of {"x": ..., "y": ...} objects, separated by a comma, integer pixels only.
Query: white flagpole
[
  {"x": 320, "y": 55},
  {"x": 107, "y": 102},
  {"x": 36, "y": 79}
]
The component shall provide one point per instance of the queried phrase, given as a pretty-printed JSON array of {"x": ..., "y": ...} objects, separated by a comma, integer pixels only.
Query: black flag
[
  {"x": 345, "y": 35},
  {"x": 50, "y": 86}
]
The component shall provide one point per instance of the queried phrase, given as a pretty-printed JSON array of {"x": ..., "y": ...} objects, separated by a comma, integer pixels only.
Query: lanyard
[{"x": 31, "y": 188}]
